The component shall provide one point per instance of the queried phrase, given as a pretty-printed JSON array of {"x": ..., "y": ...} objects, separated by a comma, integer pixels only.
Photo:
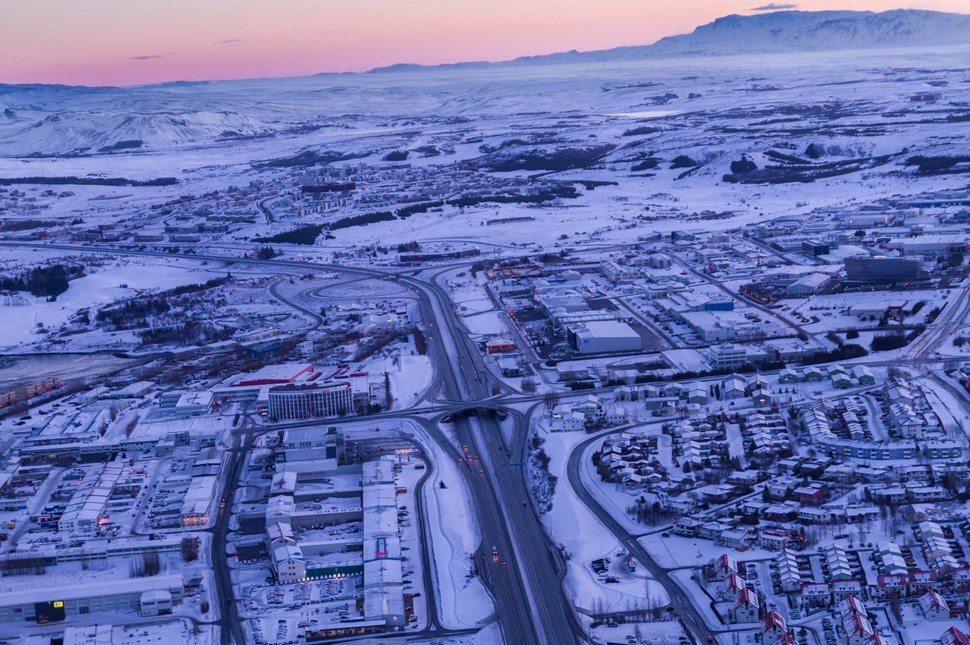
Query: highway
[
  {"x": 530, "y": 602},
  {"x": 229, "y": 621}
]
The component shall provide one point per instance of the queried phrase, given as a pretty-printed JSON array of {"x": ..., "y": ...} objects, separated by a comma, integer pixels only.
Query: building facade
[{"x": 311, "y": 401}]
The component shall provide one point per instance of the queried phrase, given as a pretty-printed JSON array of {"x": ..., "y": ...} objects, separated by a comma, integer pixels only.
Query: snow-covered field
[{"x": 855, "y": 105}]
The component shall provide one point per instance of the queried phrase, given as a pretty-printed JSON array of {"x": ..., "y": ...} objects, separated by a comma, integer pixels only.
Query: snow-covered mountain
[
  {"x": 786, "y": 31},
  {"x": 783, "y": 31}
]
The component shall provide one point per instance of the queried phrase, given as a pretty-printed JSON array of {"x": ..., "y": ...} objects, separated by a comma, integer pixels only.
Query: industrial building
[
  {"x": 51, "y": 605},
  {"x": 308, "y": 444},
  {"x": 882, "y": 270},
  {"x": 277, "y": 375},
  {"x": 604, "y": 336},
  {"x": 930, "y": 244},
  {"x": 311, "y": 401}
]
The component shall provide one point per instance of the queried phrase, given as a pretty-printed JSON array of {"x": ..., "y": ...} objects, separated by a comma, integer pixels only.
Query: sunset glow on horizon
[{"x": 110, "y": 42}]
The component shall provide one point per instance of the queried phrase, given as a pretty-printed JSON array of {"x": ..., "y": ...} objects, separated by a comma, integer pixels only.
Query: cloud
[
  {"x": 231, "y": 41},
  {"x": 775, "y": 6},
  {"x": 146, "y": 57}
]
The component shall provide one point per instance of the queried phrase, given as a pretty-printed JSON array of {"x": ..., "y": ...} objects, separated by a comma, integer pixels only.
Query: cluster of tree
[
  {"x": 556, "y": 160},
  {"x": 845, "y": 352},
  {"x": 361, "y": 220},
  {"x": 593, "y": 184},
  {"x": 132, "y": 314},
  {"x": 423, "y": 207},
  {"x": 427, "y": 151},
  {"x": 646, "y": 164},
  {"x": 149, "y": 565},
  {"x": 743, "y": 165},
  {"x": 543, "y": 482},
  {"x": 303, "y": 235},
  {"x": 649, "y": 514},
  {"x": 89, "y": 181},
  {"x": 12, "y": 225},
  {"x": 640, "y": 131},
  {"x": 747, "y": 368},
  {"x": 420, "y": 342},
  {"x": 938, "y": 165},
  {"x": 408, "y": 247},
  {"x": 196, "y": 287},
  {"x": 396, "y": 155},
  {"x": 682, "y": 161},
  {"x": 190, "y": 548},
  {"x": 309, "y": 158},
  {"x": 370, "y": 346},
  {"x": 886, "y": 342},
  {"x": 128, "y": 144},
  {"x": 187, "y": 333},
  {"x": 48, "y": 282}
]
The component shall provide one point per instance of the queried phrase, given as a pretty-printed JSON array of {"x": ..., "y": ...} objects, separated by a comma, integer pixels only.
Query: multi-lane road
[{"x": 530, "y": 602}]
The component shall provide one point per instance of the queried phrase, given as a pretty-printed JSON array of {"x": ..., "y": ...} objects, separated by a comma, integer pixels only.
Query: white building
[
  {"x": 728, "y": 356},
  {"x": 605, "y": 336}
]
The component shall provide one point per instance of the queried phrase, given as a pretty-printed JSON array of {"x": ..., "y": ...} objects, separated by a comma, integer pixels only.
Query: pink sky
[{"x": 126, "y": 42}]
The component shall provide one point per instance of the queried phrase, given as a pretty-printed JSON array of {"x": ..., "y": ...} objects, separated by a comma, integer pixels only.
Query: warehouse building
[
  {"x": 930, "y": 244},
  {"x": 277, "y": 375},
  {"x": 604, "y": 336},
  {"x": 52, "y": 605},
  {"x": 808, "y": 285},
  {"x": 198, "y": 500}
]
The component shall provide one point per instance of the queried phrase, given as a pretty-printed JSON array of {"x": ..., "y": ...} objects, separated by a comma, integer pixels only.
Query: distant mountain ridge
[{"x": 776, "y": 32}]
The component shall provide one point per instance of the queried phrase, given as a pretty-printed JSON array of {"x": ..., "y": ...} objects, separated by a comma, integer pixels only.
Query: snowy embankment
[{"x": 462, "y": 599}]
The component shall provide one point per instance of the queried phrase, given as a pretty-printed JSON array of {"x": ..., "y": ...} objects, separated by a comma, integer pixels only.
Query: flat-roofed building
[{"x": 53, "y": 604}]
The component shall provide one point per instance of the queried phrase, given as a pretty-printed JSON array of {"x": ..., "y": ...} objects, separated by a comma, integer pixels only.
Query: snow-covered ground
[
  {"x": 99, "y": 287},
  {"x": 592, "y": 542}
]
